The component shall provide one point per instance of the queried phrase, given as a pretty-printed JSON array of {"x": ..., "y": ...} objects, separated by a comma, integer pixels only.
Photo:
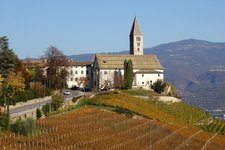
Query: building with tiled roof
[{"x": 147, "y": 68}]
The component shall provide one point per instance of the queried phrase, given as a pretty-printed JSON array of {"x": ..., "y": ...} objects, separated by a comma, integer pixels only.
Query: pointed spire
[{"x": 135, "y": 30}]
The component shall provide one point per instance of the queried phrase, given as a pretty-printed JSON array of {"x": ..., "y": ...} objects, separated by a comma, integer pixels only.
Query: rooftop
[{"x": 142, "y": 62}]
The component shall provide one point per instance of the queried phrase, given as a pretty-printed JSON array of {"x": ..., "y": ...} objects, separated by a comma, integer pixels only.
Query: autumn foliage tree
[
  {"x": 16, "y": 80},
  {"x": 11, "y": 69},
  {"x": 38, "y": 87}
]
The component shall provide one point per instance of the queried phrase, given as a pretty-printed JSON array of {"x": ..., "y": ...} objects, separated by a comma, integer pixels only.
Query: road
[{"x": 18, "y": 111}]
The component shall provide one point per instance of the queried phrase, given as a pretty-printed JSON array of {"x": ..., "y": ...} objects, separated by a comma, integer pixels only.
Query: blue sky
[{"x": 92, "y": 26}]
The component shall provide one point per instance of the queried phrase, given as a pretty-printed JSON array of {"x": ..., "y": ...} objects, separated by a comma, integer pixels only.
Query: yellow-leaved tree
[{"x": 17, "y": 81}]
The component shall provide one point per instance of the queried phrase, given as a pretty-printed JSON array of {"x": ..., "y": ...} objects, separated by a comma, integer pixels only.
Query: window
[
  {"x": 143, "y": 82},
  {"x": 75, "y": 72},
  {"x": 82, "y": 72},
  {"x": 138, "y": 38},
  {"x": 138, "y": 49},
  {"x": 81, "y": 66},
  {"x": 143, "y": 75},
  {"x": 138, "y": 44},
  {"x": 76, "y": 79},
  {"x": 71, "y": 79},
  {"x": 158, "y": 75},
  {"x": 105, "y": 72},
  {"x": 71, "y": 72},
  {"x": 87, "y": 72},
  {"x": 150, "y": 81}
]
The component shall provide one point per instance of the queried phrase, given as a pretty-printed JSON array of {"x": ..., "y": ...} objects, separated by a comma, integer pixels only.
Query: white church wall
[
  {"x": 140, "y": 80},
  {"x": 146, "y": 79},
  {"x": 106, "y": 76}
]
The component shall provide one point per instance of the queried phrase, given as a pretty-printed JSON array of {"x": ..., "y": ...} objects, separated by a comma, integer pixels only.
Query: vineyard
[
  {"x": 216, "y": 126},
  {"x": 178, "y": 113},
  {"x": 92, "y": 128}
]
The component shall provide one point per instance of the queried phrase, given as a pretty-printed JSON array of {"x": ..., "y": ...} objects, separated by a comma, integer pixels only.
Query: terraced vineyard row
[
  {"x": 215, "y": 126},
  {"x": 91, "y": 128}
]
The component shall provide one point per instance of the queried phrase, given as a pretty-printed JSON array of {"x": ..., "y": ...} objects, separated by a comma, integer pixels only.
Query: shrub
[
  {"x": 57, "y": 101},
  {"x": 46, "y": 109},
  {"x": 38, "y": 113},
  {"x": 48, "y": 92},
  {"x": 24, "y": 127},
  {"x": 159, "y": 86}
]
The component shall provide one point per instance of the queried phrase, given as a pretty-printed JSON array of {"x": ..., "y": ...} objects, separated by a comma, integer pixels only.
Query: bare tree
[
  {"x": 118, "y": 79},
  {"x": 56, "y": 71},
  {"x": 107, "y": 84},
  {"x": 82, "y": 81}
]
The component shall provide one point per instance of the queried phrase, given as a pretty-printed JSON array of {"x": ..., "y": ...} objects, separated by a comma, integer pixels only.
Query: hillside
[
  {"x": 208, "y": 86},
  {"x": 184, "y": 61},
  {"x": 118, "y": 120}
]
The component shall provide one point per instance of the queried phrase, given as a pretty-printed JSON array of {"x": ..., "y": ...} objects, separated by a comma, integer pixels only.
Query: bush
[
  {"x": 57, "y": 101},
  {"x": 24, "y": 127},
  {"x": 46, "y": 109},
  {"x": 159, "y": 86},
  {"x": 48, "y": 92},
  {"x": 38, "y": 113}
]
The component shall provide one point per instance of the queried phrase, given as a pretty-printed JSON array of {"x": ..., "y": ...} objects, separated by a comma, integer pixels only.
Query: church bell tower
[{"x": 136, "y": 39}]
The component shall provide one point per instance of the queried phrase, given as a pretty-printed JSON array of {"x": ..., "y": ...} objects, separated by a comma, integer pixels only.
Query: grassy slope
[{"x": 166, "y": 112}]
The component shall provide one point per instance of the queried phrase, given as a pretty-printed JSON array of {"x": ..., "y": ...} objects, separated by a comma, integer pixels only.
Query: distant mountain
[
  {"x": 207, "y": 91},
  {"x": 185, "y": 62},
  {"x": 90, "y": 57}
]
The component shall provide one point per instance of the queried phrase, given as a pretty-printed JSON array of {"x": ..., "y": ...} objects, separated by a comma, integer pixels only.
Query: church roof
[
  {"x": 80, "y": 63},
  {"x": 141, "y": 62},
  {"x": 135, "y": 30}
]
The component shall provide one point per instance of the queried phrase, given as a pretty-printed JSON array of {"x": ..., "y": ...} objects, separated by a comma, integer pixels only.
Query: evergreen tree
[
  {"x": 125, "y": 72},
  {"x": 128, "y": 74},
  {"x": 7, "y": 57},
  {"x": 38, "y": 113}
]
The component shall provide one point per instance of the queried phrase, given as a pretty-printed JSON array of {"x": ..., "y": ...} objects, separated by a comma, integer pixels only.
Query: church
[{"x": 108, "y": 69}]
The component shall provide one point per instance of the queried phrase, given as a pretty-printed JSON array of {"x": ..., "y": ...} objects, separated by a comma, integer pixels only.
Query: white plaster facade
[
  {"x": 78, "y": 72},
  {"x": 145, "y": 80},
  {"x": 141, "y": 79}
]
